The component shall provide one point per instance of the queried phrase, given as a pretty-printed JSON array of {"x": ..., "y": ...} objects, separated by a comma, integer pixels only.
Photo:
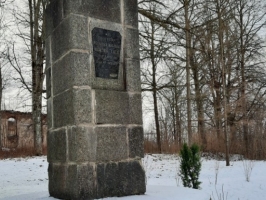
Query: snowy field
[{"x": 27, "y": 179}]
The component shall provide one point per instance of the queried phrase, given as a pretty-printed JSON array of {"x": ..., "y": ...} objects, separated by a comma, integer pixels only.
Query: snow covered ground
[{"x": 27, "y": 179}]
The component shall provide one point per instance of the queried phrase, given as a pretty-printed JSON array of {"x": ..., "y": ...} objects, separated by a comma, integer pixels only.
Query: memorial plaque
[{"x": 106, "y": 52}]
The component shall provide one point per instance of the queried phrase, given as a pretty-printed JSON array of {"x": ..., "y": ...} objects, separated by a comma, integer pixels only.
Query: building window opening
[{"x": 12, "y": 128}]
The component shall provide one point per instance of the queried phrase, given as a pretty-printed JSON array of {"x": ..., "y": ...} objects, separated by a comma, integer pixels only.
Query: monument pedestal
[{"x": 95, "y": 137}]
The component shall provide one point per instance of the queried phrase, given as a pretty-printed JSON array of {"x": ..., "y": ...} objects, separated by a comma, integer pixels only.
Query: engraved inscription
[{"x": 106, "y": 52}]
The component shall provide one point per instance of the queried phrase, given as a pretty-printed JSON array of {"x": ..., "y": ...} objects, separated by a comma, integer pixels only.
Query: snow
[{"x": 26, "y": 178}]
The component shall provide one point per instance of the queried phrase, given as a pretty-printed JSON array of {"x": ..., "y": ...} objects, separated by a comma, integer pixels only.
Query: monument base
[{"x": 96, "y": 180}]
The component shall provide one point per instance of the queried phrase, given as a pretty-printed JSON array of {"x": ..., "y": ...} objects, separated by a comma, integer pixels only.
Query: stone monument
[{"x": 95, "y": 137}]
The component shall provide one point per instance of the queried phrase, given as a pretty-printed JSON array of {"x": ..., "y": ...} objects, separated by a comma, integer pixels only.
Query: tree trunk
[
  {"x": 243, "y": 80},
  {"x": 37, "y": 57},
  {"x": 199, "y": 104},
  {"x": 1, "y": 94},
  {"x": 157, "y": 124},
  {"x": 188, "y": 47},
  {"x": 178, "y": 123},
  {"x": 154, "y": 89},
  {"x": 223, "y": 67},
  {"x": 37, "y": 124}
]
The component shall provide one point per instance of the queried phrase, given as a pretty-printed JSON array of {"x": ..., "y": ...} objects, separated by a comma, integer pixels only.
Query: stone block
[
  {"x": 50, "y": 149},
  {"x": 80, "y": 182},
  {"x": 72, "y": 70},
  {"x": 135, "y": 109},
  {"x": 132, "y": 178},
  {"x": 120, "y": 179},
  {"x": 49, "y": 113},
  {"x": 57, "y": 146},
  {"x": 82, "y": 106},
  {"x": 63, "y": 109},
  {"x": 48, "y": 83},
  {"x": 57, "y": 180},
  {"x": 109, "y": 84},
  {"x": 72, "y": 107},
  {"x": 81, "y": 144},
  {"x": 111, "y": 143},
  {"x": 135, "y": 142},
  {"x": 72, "y": 33},
  {"x": 133, "y": 75},
  {"x": 111, "y": 107},
  {"x": 107, "y": 180},
  {"x": 131, "y": 12},
  {"x": 100, "y": 173},
  {"x": 132, "y": 43},
  {"x": 48, "y": 57},
  {"x": 100, "y": 9},
  {"x": 53, "y": 16}
]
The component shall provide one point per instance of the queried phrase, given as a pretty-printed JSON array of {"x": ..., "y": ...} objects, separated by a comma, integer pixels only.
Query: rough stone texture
[
  {"x": 82, "y": 106},
  {"x": 72, "y": 33},
  {"x": 110, "y": 180},
  {"x": 53, "y": 15},
  {"x": 131, "y": 12},
  {"x": 100, "y": 9},
  {"x": 109, "y": 84},
  {"x": 135, "y": 109},
  {"x": 82, "y": 145},
  {"x": 100, "y": 175},
  {"x": 133, "y": 75},
  {"x": 72, "y": 107},
  {"x": 135, "y": 142},
  {"x": 111, "y": 143},
  {"x": 95, "y": 139},
  {"x": 63, "y": 117},
  {"x": 57, "y": 180},
  {"x": 49, "y": 146},
  {"x": 111, "y": 107},
  {"x": 49, "y": 114},
  {"x": 132, "y": 178},
  {"x": 120, "y": 179},
  {"x": 80, "y": 182},
  {"x": 71, "y": 181},
  {"x": 77, "y": 181},
  {"x": 57, "y": 146},
  {"x": 132, "y": 38},
  {"x": 98, "y": 23},
  {"x": 48, "y": 53},
  {"x": 73, "y": 70},
  {"x": 48, "y": 83}
]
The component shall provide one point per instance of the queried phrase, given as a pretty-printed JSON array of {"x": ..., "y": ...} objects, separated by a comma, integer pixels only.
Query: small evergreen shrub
[{"x": 190, "y": 166}]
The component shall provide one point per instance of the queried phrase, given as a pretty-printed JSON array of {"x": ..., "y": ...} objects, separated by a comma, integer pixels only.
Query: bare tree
[
  {"x": 33, "y": 37},
  {"x": 153, "y": 49},
  {"x": 249, "y": 20},
  {"x": 221, "y": 53},
  {"x": 4, "y": 75}
]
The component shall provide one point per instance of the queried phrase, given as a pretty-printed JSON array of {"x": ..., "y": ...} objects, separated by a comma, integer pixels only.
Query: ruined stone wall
[{"x": 17, "y": 130}]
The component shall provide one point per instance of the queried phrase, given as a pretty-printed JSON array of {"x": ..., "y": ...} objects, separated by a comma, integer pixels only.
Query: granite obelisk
[{"x": 95, "y": 137}]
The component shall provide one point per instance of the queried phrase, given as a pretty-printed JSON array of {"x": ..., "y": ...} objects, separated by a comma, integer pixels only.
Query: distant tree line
[{"x": 203, "y": 66}]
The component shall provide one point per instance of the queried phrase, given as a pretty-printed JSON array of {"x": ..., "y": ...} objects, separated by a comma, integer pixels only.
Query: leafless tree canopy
[{"x": 204, "y": 62}]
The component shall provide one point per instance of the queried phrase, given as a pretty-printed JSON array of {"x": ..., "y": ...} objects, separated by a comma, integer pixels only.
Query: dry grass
[
  {"x": 167, "y": 147},
  {"x": 18, "y": 153},
  {"x": 256, "y": 151},
  {"x": 257, "y": 147}
]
